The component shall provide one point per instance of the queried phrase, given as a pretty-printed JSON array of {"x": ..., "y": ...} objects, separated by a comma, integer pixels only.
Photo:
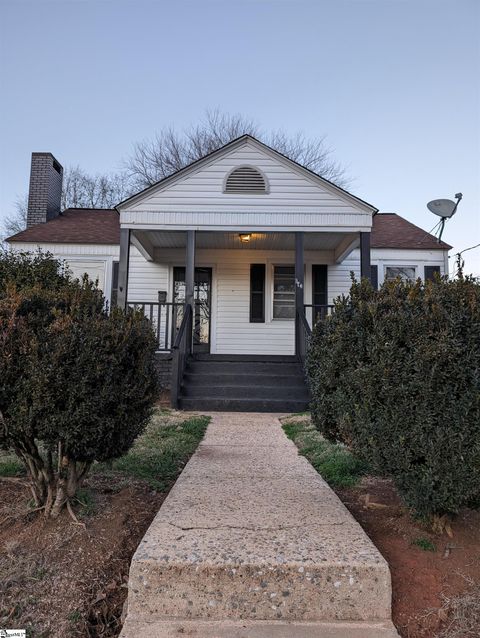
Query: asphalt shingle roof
[
  {"x": 75, "y": 226},
  {"x": 392, "y": 231}
]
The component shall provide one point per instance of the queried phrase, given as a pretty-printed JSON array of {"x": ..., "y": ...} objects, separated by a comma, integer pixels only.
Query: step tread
[
  {"x": 242, "y": 405},
  {"x": 136, "y": 628},
  {"x": 239, "y": 392}
]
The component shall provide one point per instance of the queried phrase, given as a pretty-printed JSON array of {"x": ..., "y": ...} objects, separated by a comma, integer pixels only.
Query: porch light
[{"x": 245, "y": 237}]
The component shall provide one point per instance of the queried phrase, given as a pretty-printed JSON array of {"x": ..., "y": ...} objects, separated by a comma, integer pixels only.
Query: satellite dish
[{"x": 442, "y": 207}]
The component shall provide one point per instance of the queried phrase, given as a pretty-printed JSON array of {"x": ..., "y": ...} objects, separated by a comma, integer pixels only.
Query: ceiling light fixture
[{"x": 245, "y": 237}]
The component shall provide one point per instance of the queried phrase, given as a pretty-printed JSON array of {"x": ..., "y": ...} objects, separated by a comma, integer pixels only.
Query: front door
[{"x": 203, "y": 299}]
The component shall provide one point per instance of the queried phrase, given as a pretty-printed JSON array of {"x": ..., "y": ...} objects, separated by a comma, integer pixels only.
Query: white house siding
[
  {"x": 146, "y": 278},
  {"x": 94, "y": 259},
  {"x": 383, "y": 257},
  {"x": 231, "y": 330},
  {"x": 294, "y": 199}
]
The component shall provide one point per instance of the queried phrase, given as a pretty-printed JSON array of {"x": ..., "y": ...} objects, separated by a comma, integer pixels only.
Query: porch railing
[
  {"x": 303, "y": 333},
  {"x": 182, "y": 348},
  {"x": 315, "y": 312},
  {"x": 165, "y": 318}
]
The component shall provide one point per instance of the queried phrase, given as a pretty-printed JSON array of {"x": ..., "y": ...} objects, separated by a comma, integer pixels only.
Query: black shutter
[
  {"x": 114, "y": 290},
  {"x": 374, "y": 276},
  {"x": 257, "y": 293},
  {"x": 430, "y": 272},
  {"x": 319, "y": 291}
]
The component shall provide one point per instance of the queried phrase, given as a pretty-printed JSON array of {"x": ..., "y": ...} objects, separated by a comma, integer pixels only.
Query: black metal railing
[
  {"x": 316, "y": 313},
  {"x": 303, "y": 333},
  {"x": 182, "y": 348},
  {"x": 165, "y": 318}
]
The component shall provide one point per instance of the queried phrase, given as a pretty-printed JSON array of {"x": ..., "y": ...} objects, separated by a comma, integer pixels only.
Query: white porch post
[
  {"x": 299, "y": 287},
  {"x": 123, "y": 267}
]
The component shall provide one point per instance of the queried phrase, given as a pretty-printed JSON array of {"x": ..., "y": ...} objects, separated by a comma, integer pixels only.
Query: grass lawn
[
  {"x": 159, "y": 455},
  {"x": 333, "y": 461}
]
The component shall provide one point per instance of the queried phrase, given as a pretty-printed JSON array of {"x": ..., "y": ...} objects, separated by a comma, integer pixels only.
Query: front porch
[
  {"x": 247, "y": 297},
  {"x": 240, "y": 252}
]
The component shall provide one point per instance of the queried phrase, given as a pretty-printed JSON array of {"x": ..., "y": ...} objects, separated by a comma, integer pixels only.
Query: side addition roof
[
  {"x": 389, "y": 230},
  {"x": 75, "y": 226}
]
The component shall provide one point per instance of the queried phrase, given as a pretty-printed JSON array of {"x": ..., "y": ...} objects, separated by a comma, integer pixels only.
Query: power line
[{"x": 470, "y": 248}]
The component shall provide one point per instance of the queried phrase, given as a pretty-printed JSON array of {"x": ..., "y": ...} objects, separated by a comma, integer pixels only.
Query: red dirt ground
[
  {"x": 61, "y": 579},
  {"x": 421, "y": 579},
  {"x": 77, "y": 589}
]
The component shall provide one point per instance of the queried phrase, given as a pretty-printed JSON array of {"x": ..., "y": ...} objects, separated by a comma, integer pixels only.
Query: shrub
[
  {"x": 77, "y": 384},
  {"x": 395, "y": 374},
  {"x": 26, "y": 270}
]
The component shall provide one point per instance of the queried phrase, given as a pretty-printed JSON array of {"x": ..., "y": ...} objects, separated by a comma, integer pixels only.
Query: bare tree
[
  {"x": 170, "y": 150},
  {"x": 17, "y": 221},
  {"x": 80, "y": 190}
]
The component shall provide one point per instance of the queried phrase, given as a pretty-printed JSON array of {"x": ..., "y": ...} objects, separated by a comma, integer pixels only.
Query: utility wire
[{"x": 470, "y": 248}]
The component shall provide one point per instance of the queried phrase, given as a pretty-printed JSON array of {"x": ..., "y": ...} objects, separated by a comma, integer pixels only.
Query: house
[{"x": 244, "y": 250}]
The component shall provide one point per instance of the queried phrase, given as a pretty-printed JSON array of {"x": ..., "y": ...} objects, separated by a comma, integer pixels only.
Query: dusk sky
[{"x": 394, "y": 84}]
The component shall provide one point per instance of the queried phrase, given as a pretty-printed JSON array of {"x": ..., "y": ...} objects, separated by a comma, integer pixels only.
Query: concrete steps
[
  {"x": 251, "y": 542},
  {"x": 246, "y": 383},
  {"x": 257, "y": 629}
]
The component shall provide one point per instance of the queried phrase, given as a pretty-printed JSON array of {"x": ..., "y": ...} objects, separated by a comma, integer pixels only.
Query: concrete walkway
[{"x": 252, "y": 543}]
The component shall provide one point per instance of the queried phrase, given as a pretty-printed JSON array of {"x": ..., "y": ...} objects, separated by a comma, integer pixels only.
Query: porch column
[
  {"x": 190, "y": 269},
  {"x": 365, "y": 267},
  {"x": 299, "y": 286},
  {"x": 123, "y": 267},
  {"x": 190, "y": 281}
]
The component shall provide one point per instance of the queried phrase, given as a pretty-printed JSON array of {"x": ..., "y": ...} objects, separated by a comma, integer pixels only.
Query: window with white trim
[
  {"x": 284, "y": 292},
  {"x": 406, "y": 273}
]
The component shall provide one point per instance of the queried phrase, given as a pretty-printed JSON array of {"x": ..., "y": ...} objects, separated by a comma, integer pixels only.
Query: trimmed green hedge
[
  {"x": 395, "y": 374},
  {"x": 77, "y": 384}
]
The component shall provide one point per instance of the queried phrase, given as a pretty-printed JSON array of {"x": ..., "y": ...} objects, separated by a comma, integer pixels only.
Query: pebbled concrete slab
[{"x": 250, "y": 532}]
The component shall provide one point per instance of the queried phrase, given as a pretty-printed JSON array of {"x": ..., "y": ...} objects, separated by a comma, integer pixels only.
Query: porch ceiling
[{"x": 258, "y": 241}]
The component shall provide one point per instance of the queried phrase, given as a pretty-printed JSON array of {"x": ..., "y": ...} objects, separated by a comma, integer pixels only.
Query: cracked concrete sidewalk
[{"x": 251, "y": 539}]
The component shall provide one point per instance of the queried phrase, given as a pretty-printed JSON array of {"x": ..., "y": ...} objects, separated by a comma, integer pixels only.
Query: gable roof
[
  {"x": 244, "y": 139},
  {"x": 389, "y": 230},
  {"x": 75, "y": 226}
]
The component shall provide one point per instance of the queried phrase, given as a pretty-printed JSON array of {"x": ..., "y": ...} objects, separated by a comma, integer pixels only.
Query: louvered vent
[{"x": 245, "y": 180}]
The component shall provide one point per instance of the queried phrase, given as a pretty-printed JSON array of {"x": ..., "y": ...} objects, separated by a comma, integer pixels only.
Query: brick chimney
[{"x": 45, "y": 193}]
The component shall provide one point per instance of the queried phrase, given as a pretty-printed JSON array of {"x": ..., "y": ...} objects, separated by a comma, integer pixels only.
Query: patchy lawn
[
  {"x": 334, "y": 462},
  {"x": 58, "y": 579},
  {"x": 435, "y": 579}
]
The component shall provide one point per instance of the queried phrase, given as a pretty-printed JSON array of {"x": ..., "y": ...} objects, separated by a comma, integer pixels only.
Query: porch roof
[{"x": 231, "y": 240}]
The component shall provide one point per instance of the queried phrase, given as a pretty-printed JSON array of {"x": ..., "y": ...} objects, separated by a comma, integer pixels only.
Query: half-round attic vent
[{"x": 245, "y": 179}]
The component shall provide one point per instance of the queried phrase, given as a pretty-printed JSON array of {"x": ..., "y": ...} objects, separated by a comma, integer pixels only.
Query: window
[
  {"x": 406, "y": 273},
  {"x": 430, "y": 272},
  {"x": 257, "y": 293},
  {"x": 114, "y": 291},
  {"x": 284, "y": 292},
  {"x": 245, "y": 179}
]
